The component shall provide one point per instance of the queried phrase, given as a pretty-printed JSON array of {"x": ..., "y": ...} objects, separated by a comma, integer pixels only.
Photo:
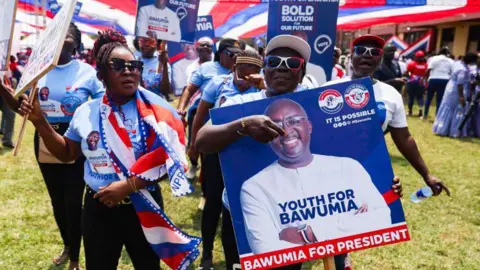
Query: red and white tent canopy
[{"x": 248, "y": 18}]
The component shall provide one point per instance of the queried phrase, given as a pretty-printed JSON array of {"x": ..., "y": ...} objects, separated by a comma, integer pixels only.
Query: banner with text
[
  {"x": 315, "y": 21},
  {"x": 183, "y": 54},
  {"x": 7, "y": 13},
  {"x": 47, "y": 50},
  {"x": 322, "y": 189},
  {"x": 172, "y": 20}
]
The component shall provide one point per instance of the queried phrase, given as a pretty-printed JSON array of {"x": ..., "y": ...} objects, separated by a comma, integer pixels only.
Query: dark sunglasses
[
  {"x": 362, "y": 50},
  {"x": 204, "y": 45},
  {"x": 118, "y": 65},
  {"x": 293, "y": 63},
  {"x": 230, "y": 54}
]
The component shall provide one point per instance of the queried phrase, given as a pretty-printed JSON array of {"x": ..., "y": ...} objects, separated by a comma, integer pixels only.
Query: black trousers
[
  {"x": 415, "y": 90},
  {"x": 65, "y": 186},
  {"x": 107, "y": 230},
  {"x": 213, "y": 181}
]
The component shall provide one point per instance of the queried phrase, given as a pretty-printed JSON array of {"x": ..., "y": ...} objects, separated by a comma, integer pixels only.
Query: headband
[{"x": 249, "y": 60}]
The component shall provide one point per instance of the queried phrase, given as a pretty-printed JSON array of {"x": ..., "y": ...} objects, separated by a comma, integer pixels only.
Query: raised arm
[
  {"x": 165, "y": 86},
  {"x": 214, "y": 138},
  {"x": 61, "y": 147}
]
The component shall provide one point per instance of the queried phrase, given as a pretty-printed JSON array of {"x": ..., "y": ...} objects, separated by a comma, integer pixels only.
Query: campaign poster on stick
[
  {"x": 183, "y": 54},
  {"x": 172, "y": 20},
  {"x": 315, "y": 21},
  {"x": 46, "y": 52},
  {"x": 322, "y": 189},
  {"x": 7, "y": 13}
]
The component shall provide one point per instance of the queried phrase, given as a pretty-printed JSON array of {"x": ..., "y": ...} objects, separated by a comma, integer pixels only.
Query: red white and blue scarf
[{"x": 163, "y": 137}]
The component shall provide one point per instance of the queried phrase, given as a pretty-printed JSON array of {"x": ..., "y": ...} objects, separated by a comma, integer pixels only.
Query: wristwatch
[{"x": 302, "y": 230}]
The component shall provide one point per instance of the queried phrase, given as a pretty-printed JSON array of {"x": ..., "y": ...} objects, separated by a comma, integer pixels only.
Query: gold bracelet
[
  {"x": 130, "y": 184},
  {"x": 243, "y": 127},
  {"x": 135, "y": 185}
]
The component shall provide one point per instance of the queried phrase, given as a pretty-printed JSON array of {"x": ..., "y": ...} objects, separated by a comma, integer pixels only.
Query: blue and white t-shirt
[
  {"x": 221, "y": 87},
  {"x": 65, "y": 88},
  {"x": 203, "y": 75},
  {"x": 151, "y": 79},
  {"x": 85, "y": 129}
]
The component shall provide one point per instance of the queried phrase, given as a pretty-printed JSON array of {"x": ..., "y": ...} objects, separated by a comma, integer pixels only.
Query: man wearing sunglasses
[
  {"x": 204, "y": 48},
  {"x": 156, "y": 74},
  {"x": 366, "y": 58},
  {"x": 180, "y": 67}
]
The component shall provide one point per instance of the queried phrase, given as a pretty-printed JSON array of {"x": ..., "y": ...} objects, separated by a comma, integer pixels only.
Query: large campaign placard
[
  {"x": 316, "y": 22},
  {"x": 183, "y": 54},
  {"x": 46, "y": 52},
  {"x": 322, "y": 189},
  {"x": 172, "y": 20},
  {"x": 7, "y": 15}
]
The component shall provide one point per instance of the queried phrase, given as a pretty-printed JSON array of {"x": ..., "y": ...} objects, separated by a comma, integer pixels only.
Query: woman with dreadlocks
[
  {"x": 129, "y": 138},
  {"x": 70, "y": 84}
]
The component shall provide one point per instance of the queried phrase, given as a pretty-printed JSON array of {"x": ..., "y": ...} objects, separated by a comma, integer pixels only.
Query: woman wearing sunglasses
[
  {"x": 124, "y": 143},
  {"x": 62, "y": 91},
  {"x": 285, "y": 60},
  {"x": 245, "y": 79},
  {"x": 366, "y": 58}
]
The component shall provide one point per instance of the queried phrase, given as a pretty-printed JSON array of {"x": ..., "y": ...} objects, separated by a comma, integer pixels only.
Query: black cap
[{"x": 229, "y": 44}]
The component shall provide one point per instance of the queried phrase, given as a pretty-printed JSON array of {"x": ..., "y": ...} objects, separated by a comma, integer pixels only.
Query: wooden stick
[
  {"x": 329, "y": 263},
  {"x": 25, "y": 119}
]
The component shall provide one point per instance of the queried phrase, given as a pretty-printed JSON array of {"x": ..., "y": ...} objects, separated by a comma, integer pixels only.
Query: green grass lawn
[{"x": 445, "y": 231}]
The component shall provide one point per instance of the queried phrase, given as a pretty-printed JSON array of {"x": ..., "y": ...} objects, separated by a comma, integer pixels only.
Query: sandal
[{"x": 62, "y": 258}]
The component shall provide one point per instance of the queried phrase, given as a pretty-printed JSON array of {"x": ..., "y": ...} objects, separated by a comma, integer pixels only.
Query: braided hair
[
  {"x": 77, "y": 35},
  {"x": 102, "y": 49}
]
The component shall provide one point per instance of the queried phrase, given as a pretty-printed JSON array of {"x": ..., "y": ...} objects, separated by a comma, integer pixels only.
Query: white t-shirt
[
  {"x": 317, "y": 72},
  {"x": 162, "y": 21},
  {"x": 191, "y": 69},
  {"x": 390, "y": 107},
  {"x": 277, "y": 198},
  {"x": 309, "y": 82},
  {"x": 180, "y": 70},
  {"x": 441, "y": 67}
]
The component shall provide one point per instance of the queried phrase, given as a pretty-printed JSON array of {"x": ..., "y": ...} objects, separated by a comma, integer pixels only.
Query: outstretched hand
[{"x": 436, "y": 185}]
